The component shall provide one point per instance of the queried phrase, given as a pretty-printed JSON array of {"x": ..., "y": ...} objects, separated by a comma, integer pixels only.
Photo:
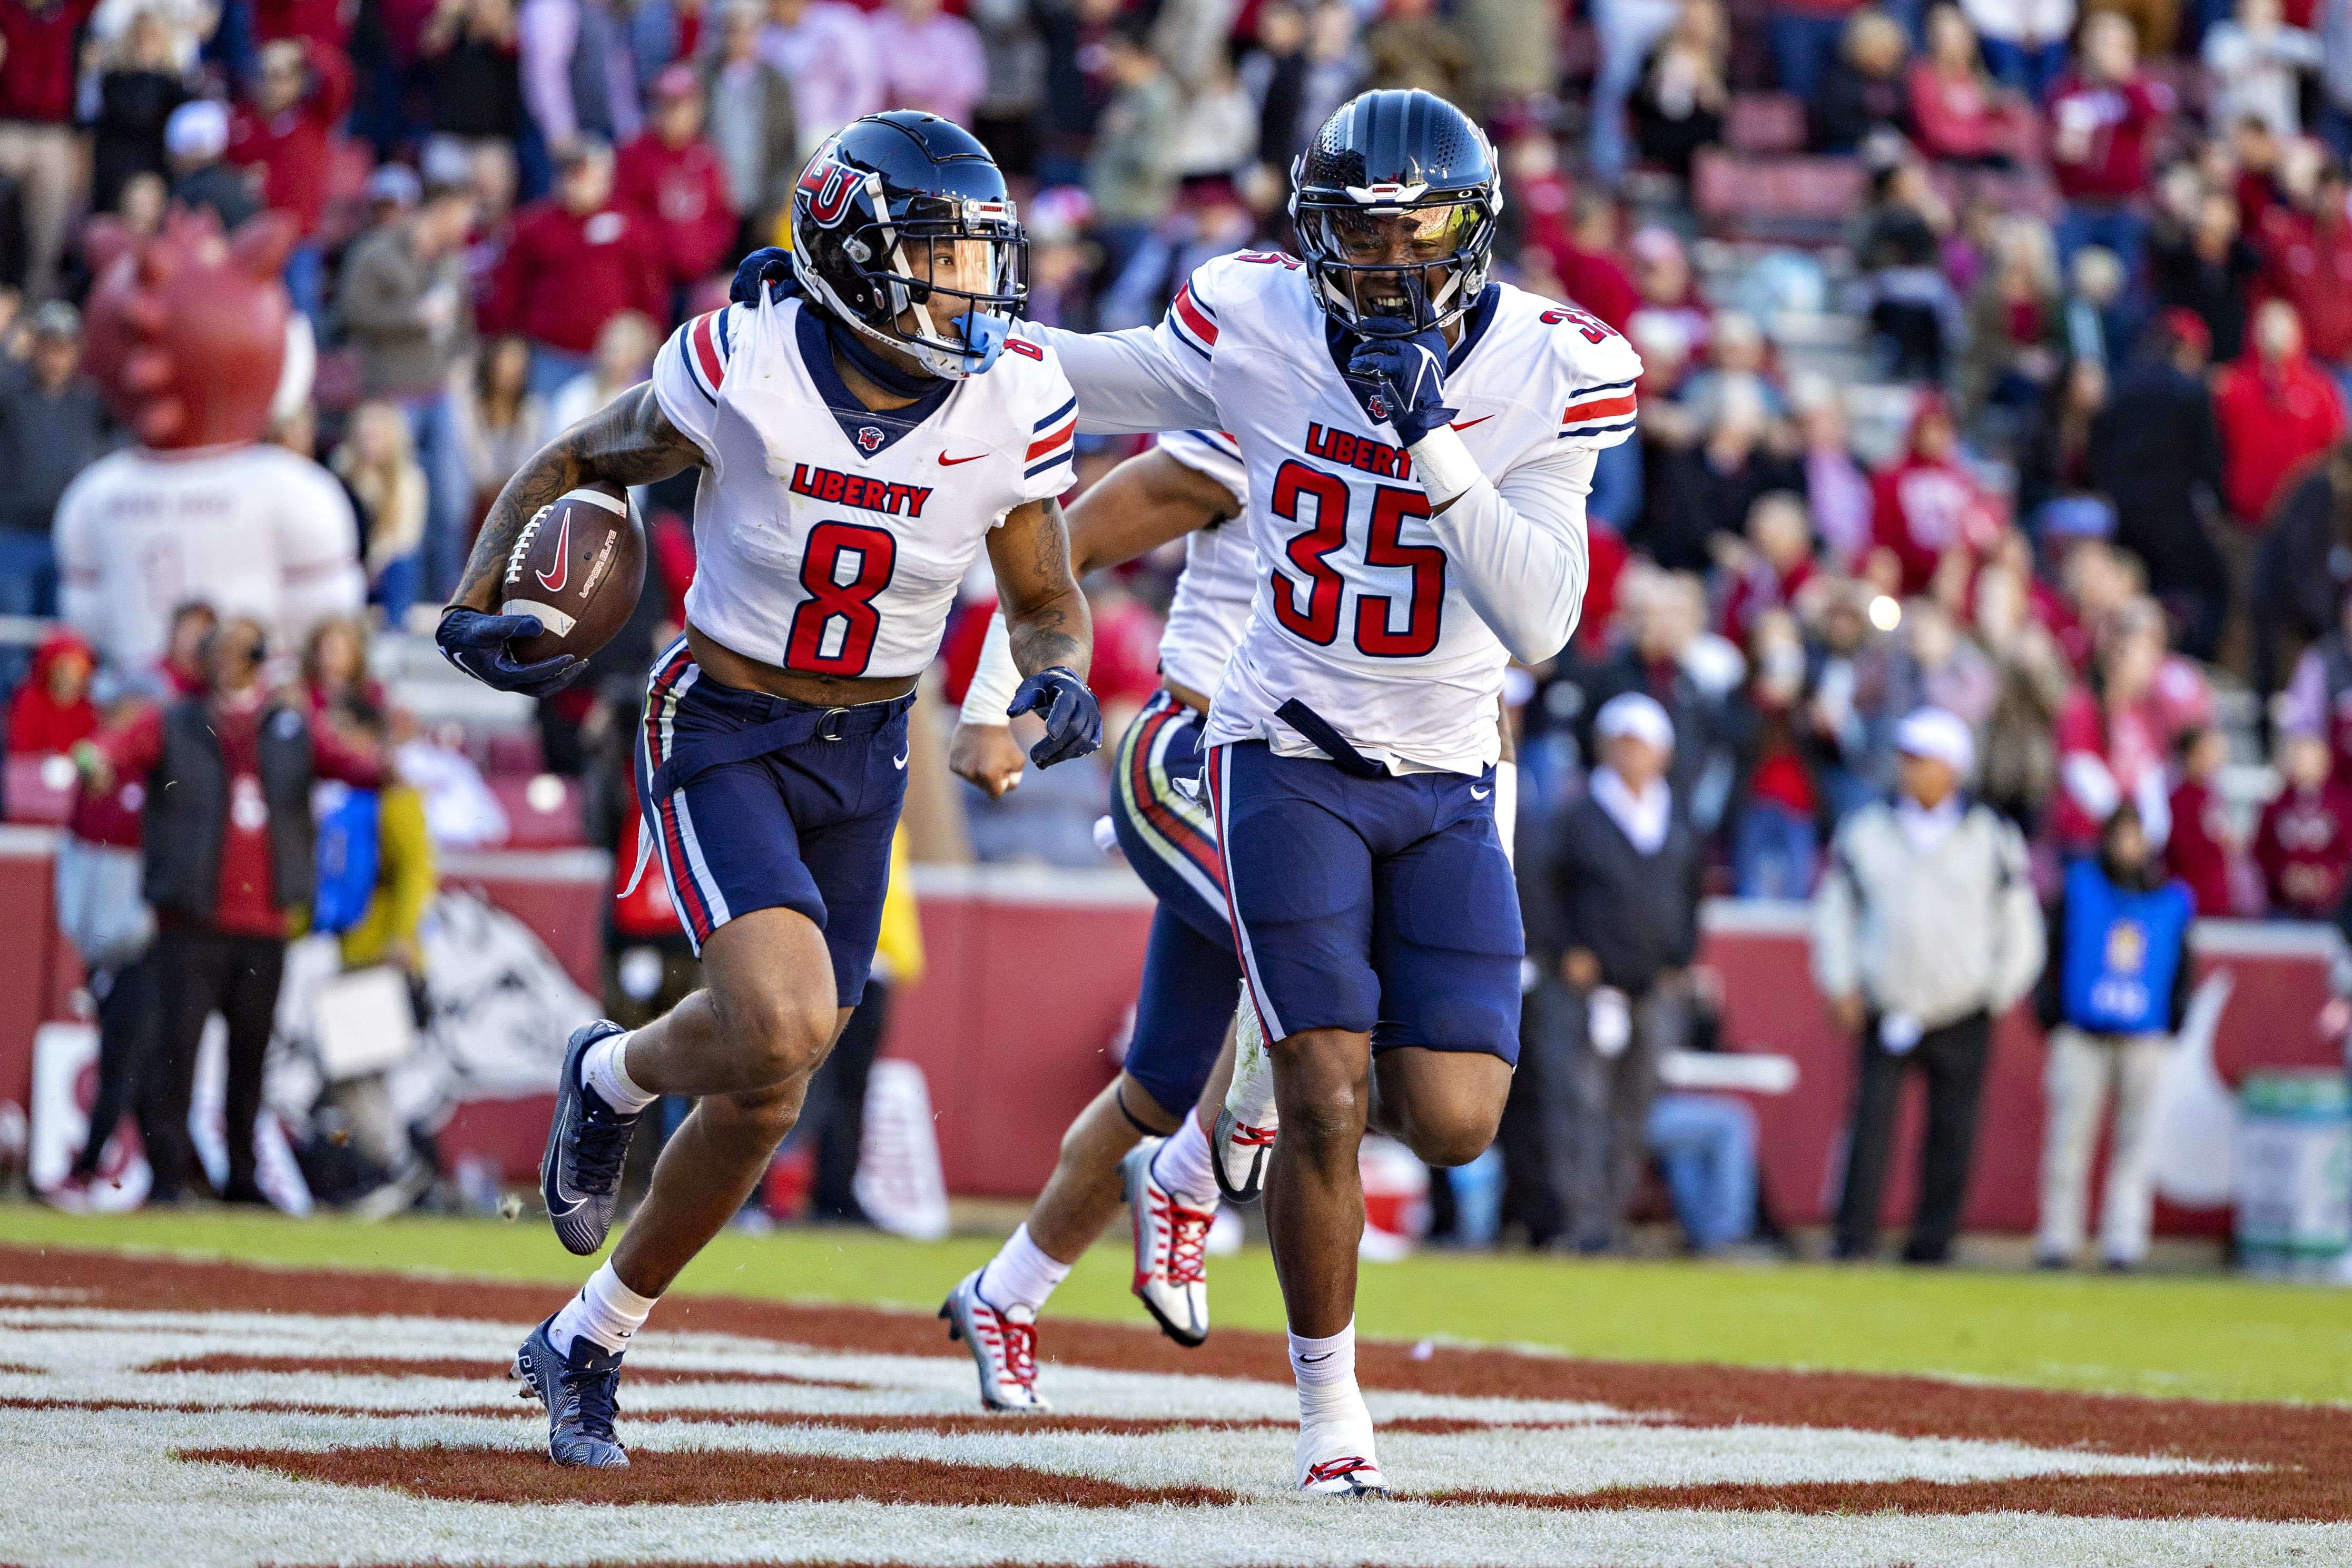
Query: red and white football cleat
[
  {"x": 1335, "y": 1452},
  {"x": 1004, "y": 1346},
  {"x": 1170, "y": 1235},
  {"x": 1243, "y": 1139}
]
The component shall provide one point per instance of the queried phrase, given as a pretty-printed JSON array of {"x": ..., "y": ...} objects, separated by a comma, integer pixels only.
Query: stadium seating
[
  {"x": 1796, "y": 200},
  {"x": 1765, "y": 123}
]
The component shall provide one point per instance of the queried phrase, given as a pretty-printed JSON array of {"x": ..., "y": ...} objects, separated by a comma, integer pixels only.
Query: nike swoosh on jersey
[
  {"x": 1468, "y": 422},
  {"x": 1478, "y": 794},
  {"x": 562, "y": 559},
  {"x": 900, "y": 761},
  {"x": 947, "y": 462}
]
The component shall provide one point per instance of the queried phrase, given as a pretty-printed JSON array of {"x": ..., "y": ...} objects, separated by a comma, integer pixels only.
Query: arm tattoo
[
  {"x": 1050, "y": 624},
  {"x": 628, "y": 442}
]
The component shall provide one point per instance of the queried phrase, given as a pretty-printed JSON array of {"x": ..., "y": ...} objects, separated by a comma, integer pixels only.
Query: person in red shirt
[
  {"x": 51, "y": 710},
  {"x": 1606, "y": 559},
  {"x": 2274, "y": 408},
  {"x": 2304, "y": 843},
  {"x": 1541, "y": 192},
  {"x": 114, "y": 932},
  {"x": 229, "y": 856},
  {"x": 2118, "y": 728},
  {"x": 2307, "y": 262},
  {"x": 38, "y": 148},
  {"x": 1956, "y": 113},
  {"x": 1775, "y": 842},
  {"x": 578, "y": 259},
  {"x": 671, "y": 176},
  {"x": 303, "y": 92},
  {"x": 1927, "y": 506},
  {"x": 180, "y": 673},
  {"x": 1773, "y": 568},
  {"x": 2102, "y": 117},
  {"x": 2203, "y": 842},
  {"x": 1586, "y": 265}
]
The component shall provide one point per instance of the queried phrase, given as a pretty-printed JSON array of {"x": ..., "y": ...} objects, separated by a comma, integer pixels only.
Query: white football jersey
[
  {"x": 828, "y": 539},
  {"x": 1211, "y": 604},
  {"x": 255, "y": 531},
  {"x": 1388, "y": 634}
]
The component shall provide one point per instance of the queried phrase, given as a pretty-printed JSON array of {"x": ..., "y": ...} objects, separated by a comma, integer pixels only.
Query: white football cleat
[
  {"x": 1335, "y": 1453},
  {"x": 1170, "y": 1235},
  {"x": 1244, "y": 1138},
  {"x": 1004, "y": 1346}
]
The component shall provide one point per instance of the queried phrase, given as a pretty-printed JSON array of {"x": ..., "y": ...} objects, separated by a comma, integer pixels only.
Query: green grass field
[{"x": 2209, "y": 1337}]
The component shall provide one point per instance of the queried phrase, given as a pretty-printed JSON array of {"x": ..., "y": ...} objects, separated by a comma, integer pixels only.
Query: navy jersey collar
[
  {"x": 862, "y": 427},
  {"x": 1341, "y": 342}
]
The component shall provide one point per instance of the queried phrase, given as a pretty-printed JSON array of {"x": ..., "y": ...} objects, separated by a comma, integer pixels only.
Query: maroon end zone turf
[{"x": 697, "y": 1477}]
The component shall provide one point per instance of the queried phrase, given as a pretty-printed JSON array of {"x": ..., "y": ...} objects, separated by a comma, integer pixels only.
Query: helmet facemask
[
  {"x": 1390, "y": 261},
  {"x": 943, "y": 277}
]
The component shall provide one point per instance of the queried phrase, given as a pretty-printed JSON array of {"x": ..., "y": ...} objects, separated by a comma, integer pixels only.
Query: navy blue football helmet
[
  {"x": 1396, "y": 203},
  {"x": 869, "y": 211}
]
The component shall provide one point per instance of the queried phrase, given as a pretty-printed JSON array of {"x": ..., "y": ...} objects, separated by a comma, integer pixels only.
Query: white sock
[
  {"x": 605, "y": 1309},
  {"x": 604, "y": 1069},
  {"x": 1325, "y": 1371},
  {"x": 1021, "y": 1274},
  {"x": 1181, "y": 1166}
]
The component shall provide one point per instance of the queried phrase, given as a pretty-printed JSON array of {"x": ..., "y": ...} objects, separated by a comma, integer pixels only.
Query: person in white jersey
[
  {"x": 1192, "y": 486},
  {"x": 854, "y": 467},
  {"x": 1139, "y": 1140},
  {"x": 1417, "y": 497}
]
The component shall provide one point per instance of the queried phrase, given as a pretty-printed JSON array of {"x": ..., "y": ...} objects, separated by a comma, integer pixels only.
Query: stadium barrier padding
[{"x": 1030, "y": 976}]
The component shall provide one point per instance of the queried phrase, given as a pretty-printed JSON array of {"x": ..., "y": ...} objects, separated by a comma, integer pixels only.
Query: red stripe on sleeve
[
  {"x": 1046, "y": 444},
  {"x": 706, "y": 352},
  {"x": 1190, "y": 315},
  {"x": 1577, "y": 414}
]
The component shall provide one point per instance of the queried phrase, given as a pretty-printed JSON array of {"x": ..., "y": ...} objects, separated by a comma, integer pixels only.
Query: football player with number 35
[
  {"x": 854, "y": 466},
  {"x": 1420, "y": 442}
]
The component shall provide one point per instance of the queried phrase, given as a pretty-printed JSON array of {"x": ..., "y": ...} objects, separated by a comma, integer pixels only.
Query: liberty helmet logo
[
  {"x": 1377, "y": 406},
  {"x": 827, "y": 186},
  {"x": 869, "y": 438}
]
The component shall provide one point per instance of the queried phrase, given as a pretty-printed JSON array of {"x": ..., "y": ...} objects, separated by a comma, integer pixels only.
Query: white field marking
[
  {"x": 103, "y": 1351},
  {"x": 94, "y": 1492},
  {"x": 97, "y": 1487},
  {"x": 97, "y": 1357}
]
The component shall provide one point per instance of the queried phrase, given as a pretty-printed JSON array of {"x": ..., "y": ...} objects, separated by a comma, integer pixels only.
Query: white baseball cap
[
  {"x": 198, "y": 128},
  {"x": 1638, "y": 715},
  {"x": 1938, "y": 735}
]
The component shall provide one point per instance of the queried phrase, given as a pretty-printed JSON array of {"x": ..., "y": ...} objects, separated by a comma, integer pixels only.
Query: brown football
[{"x": 577, "y": 567}]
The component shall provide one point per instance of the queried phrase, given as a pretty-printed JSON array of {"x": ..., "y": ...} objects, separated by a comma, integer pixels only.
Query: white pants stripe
[{"x": 1219, "y": 774}]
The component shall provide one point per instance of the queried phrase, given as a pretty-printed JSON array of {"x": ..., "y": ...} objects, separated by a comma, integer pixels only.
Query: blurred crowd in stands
[{"x": 1996, "y": 355}]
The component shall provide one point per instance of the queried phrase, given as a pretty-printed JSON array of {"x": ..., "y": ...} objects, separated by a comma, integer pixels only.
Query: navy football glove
[
  {"x": 1411, "y": 369},
  {"x": 476, "y": 644},
  {"x": 1072, "y": 722},
  {"x": 768, "y": 267}
]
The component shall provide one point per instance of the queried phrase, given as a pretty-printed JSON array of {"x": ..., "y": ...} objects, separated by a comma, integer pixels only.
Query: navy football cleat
[
  {"x": 580, "y": 1176},
  {"x": 582, "y": 1393}
]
